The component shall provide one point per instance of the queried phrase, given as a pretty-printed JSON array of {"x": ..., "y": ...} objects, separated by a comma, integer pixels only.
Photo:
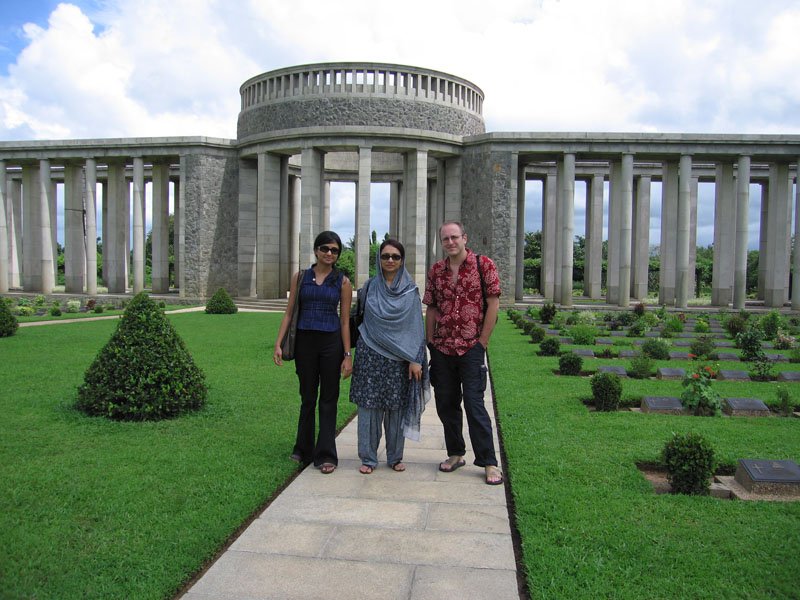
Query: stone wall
[
  {"x": 372, "y": 112},
  {"x": 210, "y": 223},
  {"x": 488, "y": 209}
]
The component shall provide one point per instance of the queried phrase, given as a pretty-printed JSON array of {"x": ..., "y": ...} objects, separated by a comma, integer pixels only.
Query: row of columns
[
  {"x": 280, "y": 214},
  {"x": 28, "y": 246},
  {"x": 628, "y": 233}
]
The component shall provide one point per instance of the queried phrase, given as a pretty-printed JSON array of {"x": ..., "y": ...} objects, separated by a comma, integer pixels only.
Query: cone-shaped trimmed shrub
[
  {"x": 8, "y": 322},
  {"x": 221, "y": 304},
  {"x": 144, "y": 372}
]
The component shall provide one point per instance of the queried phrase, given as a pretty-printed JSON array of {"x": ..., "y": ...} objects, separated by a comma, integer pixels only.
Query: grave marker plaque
[
  {"x": 733, "y": 375},
  {"x": 665, "y": 405},
  {"x": 779, "y": 477},
  {"x": 670, "y": 373},
  {"x": 728, "y": 356},
  {"x": 676, "y": 354},
  {"x": 584, "y": 352},
  {"x": 789, "y": 376},
  {"x": 613, "y": 369},
  {"x": 745, "y": 407},
  {"x": 628, "y": 353}
]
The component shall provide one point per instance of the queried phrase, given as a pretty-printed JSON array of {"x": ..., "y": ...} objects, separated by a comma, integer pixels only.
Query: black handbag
[
  {"x": 357, "y": 314},
  {"x": 289, "y": 338}
]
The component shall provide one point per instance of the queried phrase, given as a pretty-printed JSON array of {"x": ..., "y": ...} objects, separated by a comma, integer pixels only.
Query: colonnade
[{"x": 28, "y": 223}]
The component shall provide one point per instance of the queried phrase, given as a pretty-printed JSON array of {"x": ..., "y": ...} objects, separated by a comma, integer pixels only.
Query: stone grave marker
[
  {"x": 678, "y": 355},
  {"x": 725, "y": 344},
  {"x": 665, "y": 405},
  {"x": 619, "y": 333},
  {"x": 670, "y": 373},
  {"x": 653, "y": 334},
  {"x": 778, "y": 357},
  {"x": 685, "y": 334},
  {"x": 728, "y": 356},
  {"x": 745, "y": 407},
  {"x": 789, "y": 376},
  {"x": 638, "y": 342},
  {"x": 628, "y": 353},
  {"x": 779, "y": 477},
  {"x": 584, "y": 352},
  {"x": 733, "y": 375},
  {"x": 566, "y": 340},
  {"x": 604, "y": 341},
  {"x": 613, "y": 369},
  {"x": 682, "y": 343},
  {"x": 552, "y": 331}
]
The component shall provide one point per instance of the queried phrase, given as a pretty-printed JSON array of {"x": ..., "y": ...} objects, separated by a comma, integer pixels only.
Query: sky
[{"x": 139, "y": 68}]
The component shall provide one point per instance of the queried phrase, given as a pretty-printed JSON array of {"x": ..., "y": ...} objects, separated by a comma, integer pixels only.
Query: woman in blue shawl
[{"x": 390, "y": 377}]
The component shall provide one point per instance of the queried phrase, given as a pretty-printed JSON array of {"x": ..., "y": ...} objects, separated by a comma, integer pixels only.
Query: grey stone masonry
[{"x": 745, "y": 407}]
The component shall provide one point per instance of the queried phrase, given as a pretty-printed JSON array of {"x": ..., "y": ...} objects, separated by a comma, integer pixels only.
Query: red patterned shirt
[{"x": 459, "y": 304}]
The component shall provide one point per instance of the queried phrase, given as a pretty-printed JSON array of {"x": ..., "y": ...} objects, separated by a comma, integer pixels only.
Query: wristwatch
[{"x": 348, "y": 354}]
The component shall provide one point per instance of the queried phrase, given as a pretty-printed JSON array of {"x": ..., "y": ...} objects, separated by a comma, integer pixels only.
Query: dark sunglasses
[
  {"x": 394, "y": 257},
  {"x": 328, "y": 249}
]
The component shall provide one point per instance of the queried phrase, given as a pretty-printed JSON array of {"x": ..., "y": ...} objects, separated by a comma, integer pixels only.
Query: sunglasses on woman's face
[
  {"x": 328, "y": 249},
  {"x": 394, "y": 257}
]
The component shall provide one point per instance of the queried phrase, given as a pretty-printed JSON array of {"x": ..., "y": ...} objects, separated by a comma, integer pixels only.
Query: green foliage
[
  {"x": 547, "y": 312},
  {"x": 784, "y": 341},
  {"x": 55, "y": 311},
  {"x": 90, "y": 304},
  {"x": 702, "y": 326},
  {"x": 673, "y": 324},
  {"x": 749, "y": 341},
  {"x": 8, "y": 322},
  {"x": 606, "y": 391},
  {"x": 73, "y": 306},
  {"x": 98, "y": 308},
  {"x": 702, "y": 346},
  {"x": 761, "y": 369},
  {"x": 638, "y": 328},
  {"x": 785, "y": 404},
  {"x": 550, "y": 347},
  {"x": 690, "y": 462},
  {"x": 39, "y": 300},
  {"x": 639, "y": 309},
  {"x": 656, "y": 348},
  {"x": 570, "y": 363},
  {"x": 734, "y": 325},
  {"x": 559, "y": 321},
  {"x": 221, "y": 304},
  {"x": 771, "y": 323},
  {"x": 583, "y": 334},
  {"x": 698, "y": 396},
  {"x": 347, "y": 264},
  {"x": 26, "y": 311},
  {"x": 537, "y": 334},
  {"x": 144, "y": 372},
  {"x": 641, "y": 367}
]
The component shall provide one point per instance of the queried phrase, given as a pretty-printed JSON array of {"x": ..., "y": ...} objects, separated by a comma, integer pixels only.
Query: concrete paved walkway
[{"x": 416, "y": 535}]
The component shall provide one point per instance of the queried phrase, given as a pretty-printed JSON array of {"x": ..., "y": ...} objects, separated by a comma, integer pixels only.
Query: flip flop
[
  {"x": 494, "y": 476},
  {"x": 327, "y": 468},
  {"x": 365, "y": 469},
  {"x": 449, "y": 466},
  {"x": 399, "y": 467}
]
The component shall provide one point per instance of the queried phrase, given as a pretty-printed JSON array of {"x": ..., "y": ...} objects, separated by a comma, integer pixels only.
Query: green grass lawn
[
  {"x": 97, "y": 509},
  {"x": 591, "y": 526}
]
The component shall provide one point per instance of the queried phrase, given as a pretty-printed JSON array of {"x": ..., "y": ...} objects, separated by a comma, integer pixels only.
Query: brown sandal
[
  {"x": 399, "y": 467},
  {"x": 365, "y": 469},
  {"x": 327, "y": 468}
]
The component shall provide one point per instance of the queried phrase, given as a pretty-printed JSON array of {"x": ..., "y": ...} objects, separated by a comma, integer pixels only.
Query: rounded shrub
[
  {"x": 537, "y": 335},
  {"x": 55, "y": 311},
  {"x": 771, "y": 323},
  {"x": 98, "y": 308},
  {"x": 144, "y": 372},
  {"x": 221, "y": 304},
  {"x": 550, "y": 347},
  {"x": 639, "y": 309},
  {"x": 547, "y": 312},
  {"x": 656, "y": 348},
  {"x": 690, "y": 462},
  {"x": 702, "y": 346},
  {"x": 606, "y": 391},
  {"x": 641, "y": 367},
  {"x": 735, "y": 325},
  {"x": 8, "y": 322},
  {"x": 570, "y": 363},
  {"x": 583, "y": 334},
  {"x": 749, "y": 341}
]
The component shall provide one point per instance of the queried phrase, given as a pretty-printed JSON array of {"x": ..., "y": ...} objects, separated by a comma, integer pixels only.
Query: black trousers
[
  {"x": 318, "y": 361},
  {"x": 463, "y": 377}
]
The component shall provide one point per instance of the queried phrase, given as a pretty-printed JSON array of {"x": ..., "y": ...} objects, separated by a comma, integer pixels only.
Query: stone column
[
  {"x": 285, "y": 238},
  {"x": 160, "y": 231},
  {"x": 45, "y": 233},
  {"x": 295, "y": 220},
  {"x": 436, "y": 217},
  {"x": 452, "y": 191},
  {"x": 724, "y": 235},
  {"x": 796, "y": 255},
  {"x": 246, "y": 247},
  {"x": 312, "y": 190},
  {"x": 74, "y": 245},
  {"x": 669, "y": 227},
  {"x": 547, "y": 278},
  {"x": 625, "y": 229},
  {"x": 763, "y": 247},
  {"x": 775, "y": 293},
  {"x": 177, "y": 199},
  {"x": 693, "y": 237},
  {"x": 3, "y": 229},
  {"x": 14, "y": 207},
  {"x": 742, "y": 209},
  {"x": 593, "y": 260},
  {"x": 416, "y": 216},
  {"x": 640, "y": 263},
  {"x": 394, "y": 207},
  {"x": 104, "y": 218},
  {"x": 268, "y": 224},
  {"x": 326, "y": 205},
  {"x": 114, "y": 243},
  {"x": 363, "y": 195},
  {"x": 559, "y": 247},
  {"x": 614, "y": 222},
  {"x": 138, "y": 224},
  {"x": 90, "y": 207},
  {"x": 520, "y": 233},
  {"x": 53, "y": 204},
  {"x": 682, "y": 273},
  {"x": 31, "y": 244},
  {"x": 567, "y": 200}
]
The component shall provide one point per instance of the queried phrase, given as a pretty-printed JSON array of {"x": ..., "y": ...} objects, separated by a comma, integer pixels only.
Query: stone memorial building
[{"x": 246, "y": 210}]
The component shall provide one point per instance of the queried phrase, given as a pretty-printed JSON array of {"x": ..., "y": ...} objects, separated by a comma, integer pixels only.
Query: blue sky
[{"x": 123, "y": 68}]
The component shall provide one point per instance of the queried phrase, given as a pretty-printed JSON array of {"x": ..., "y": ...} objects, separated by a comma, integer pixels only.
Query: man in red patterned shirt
[{"x": 457, "y": 328}]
